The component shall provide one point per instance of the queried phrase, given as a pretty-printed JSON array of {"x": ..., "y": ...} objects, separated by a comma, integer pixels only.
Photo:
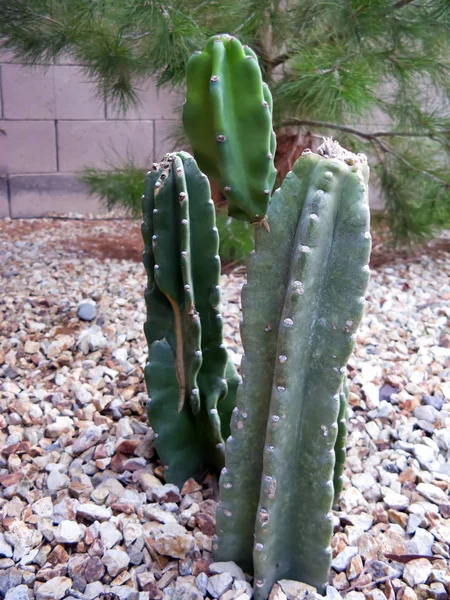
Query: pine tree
[{"x": 329, "y": 64}]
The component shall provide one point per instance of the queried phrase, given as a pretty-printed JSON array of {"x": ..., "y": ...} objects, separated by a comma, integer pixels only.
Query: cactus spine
[
  {"x": 187, "y": 373},
  {"x": 228, "y": 119},
  {"x": 298, "y": 330}
]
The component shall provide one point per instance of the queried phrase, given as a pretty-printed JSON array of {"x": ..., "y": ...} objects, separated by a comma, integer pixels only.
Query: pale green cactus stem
[{"x": 301, "y": 306}]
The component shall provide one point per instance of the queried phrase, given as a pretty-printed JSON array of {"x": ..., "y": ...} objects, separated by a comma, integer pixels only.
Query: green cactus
[
  {"x": 340, "y": 450},
  {"x": 188, "y": 368},
  {"x": 228, "y": 119},
  {"x": 301, "y": 307}
]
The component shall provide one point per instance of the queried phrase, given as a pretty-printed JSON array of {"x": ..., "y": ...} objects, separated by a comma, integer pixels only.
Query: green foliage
[
  {"x": 119, "y": 188},
  {"x": 327, "y": 63},
  {"x": 236, "y": 238}
]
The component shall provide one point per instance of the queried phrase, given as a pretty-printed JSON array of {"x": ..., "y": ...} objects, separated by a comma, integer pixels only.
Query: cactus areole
[
  {"x": 285, "y": 454},
  {"x": 228, "y": 119}
]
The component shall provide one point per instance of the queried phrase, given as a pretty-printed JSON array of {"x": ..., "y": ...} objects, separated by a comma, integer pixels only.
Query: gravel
[{"x": 84, "y": 508}]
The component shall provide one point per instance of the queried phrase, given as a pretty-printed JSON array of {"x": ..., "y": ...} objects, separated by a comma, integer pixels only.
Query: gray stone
[
  {"x": 17, "y": 593},
  {"x": 54, "y": 589},
  {"x": 219, "y": 584},
  {"x": 124, "y": 592},
  {"x": 186, "y": 591},
  {"x": 425, "y": 455},
  {"x": 116, "y": 561},
  {"x": 5, "y": 548},
  {"x": 201, "y": 582},
  {"x": 57, "y": 481},
  {"x": 417, "y": 571},
  {"x": 421, "y": 543},
  {"x": 295, "y": 590},
  {"x": 109, "y": 534},
  {"x": 435, "y": 401},
  {"x": 68, "y": 532},
  {"x": 93, "y": 512},
  {"x": 432, "y": 493},
  {"x": 426, "y": 413},
  {"x": 87, "y": 310},
  {"x": 91, "y": 339},
  {"x": 227, "y": 567},
  {"x": 87, "y": 439},
  {"x": 93, "y": 590},
  {"x": 342, "y": 560}
]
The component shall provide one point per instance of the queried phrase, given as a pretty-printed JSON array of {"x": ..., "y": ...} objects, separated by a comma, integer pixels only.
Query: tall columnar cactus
[
  {"x": 301, "y": 307},
  {"x": 228, "y": 119},
  {"x": 191, "y": 384}
]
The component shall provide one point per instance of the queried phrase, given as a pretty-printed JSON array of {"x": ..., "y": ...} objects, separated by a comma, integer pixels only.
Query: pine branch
[{"x": 358, "y": 132}]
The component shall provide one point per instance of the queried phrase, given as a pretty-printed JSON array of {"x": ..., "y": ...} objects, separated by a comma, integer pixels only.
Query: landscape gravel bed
[{"x": 84, "y": 509}]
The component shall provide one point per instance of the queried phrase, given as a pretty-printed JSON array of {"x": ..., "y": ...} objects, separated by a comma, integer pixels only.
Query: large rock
[
  {"x": 171, "y": 539},
  {"x": 55, "y": 589},
  {"x": 68, "y": 532},
  {"x": 417, "y": 571},
  {"x": 116, "y": 561}
]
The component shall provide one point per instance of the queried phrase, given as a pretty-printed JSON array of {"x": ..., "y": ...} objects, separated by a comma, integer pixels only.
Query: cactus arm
[
  {"x": 318, "y": 308},
  {"x": 340, "y": 449},
  {"x": 228, "y": 119},
  {"x": 183, "y": 301},
  {"x": 178, "y": 442}
]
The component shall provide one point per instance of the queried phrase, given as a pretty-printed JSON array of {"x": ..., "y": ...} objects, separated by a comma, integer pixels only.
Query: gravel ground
[{"x": 84, "y": 509}]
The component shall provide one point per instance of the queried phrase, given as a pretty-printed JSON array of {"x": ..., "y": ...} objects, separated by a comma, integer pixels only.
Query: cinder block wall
[{"x": 53, "y": 124}]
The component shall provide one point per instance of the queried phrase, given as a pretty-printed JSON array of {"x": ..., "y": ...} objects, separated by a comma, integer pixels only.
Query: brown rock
[
  {"x": 11, "y": 479},
  {"x": 127, "y": 446},
  {"x": 400, "y": 518},
  {"x": 206, "y": 523},
  {"x": 58, "y": 556},
  {"x": 78, "y": 489},
  {"x": 408, "y": 475},
  {"x": 94, "y": 569},
  {"x": 355, "y": 567},
  {"x": 118, "y": 461},
  {"x": 190, "y": 487}
]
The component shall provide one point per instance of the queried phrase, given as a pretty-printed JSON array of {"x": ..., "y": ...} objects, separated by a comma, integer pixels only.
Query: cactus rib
[
  {"x": 340, "y": 450},
  {"x": 301, "y": 319}
]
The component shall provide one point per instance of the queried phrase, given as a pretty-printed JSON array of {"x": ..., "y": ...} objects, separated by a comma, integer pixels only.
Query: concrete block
[
  {"x": 28, "y": 93},
  {"x": 100, "y": 143},
  {"x": 4, "y": 205},
  {"x": 75, "y": 95},
  {"x": 39, "y": 195},
  {"x": 153, "y": 103},
  {"x": 27, "y": 147},
  {"x": 164, "y": 138}
]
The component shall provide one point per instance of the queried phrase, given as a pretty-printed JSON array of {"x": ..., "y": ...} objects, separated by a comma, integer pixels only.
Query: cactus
[
  {"x": 301, "y": 307},
  {"x": 228, "y": 119},
  {"x": 188, "y": 369}
]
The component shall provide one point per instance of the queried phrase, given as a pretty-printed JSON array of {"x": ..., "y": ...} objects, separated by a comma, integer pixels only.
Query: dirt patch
[{"x": 127, "y": 246}]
